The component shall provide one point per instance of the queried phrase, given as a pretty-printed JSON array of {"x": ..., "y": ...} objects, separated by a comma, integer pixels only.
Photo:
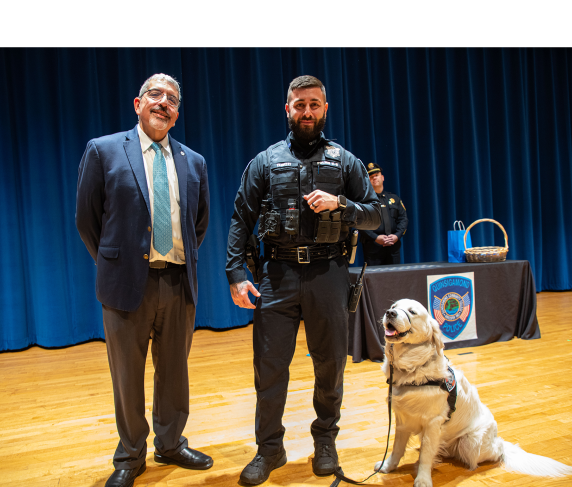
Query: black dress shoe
[
  {"x": 258, "y": 470},
  {"x": 124, "y": 478},
  {"x": 187, "y": 458},
  {"x": 325, "y": 459}
]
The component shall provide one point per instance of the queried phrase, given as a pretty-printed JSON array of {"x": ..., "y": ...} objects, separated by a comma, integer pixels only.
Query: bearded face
[
  {"x": 305, "y": 131},
  {"x": 306, "y": 112}
]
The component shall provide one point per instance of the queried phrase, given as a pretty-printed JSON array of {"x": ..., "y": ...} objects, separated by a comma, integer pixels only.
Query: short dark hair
[{"x": 305, "y": 81}]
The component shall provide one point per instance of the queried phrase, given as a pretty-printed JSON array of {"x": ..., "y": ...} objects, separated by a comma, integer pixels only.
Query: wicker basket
[{"x": 486, "y": 254}]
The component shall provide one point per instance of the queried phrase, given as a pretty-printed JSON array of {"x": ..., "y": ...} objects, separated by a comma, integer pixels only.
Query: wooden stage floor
[{"x": 58, "y": 427}]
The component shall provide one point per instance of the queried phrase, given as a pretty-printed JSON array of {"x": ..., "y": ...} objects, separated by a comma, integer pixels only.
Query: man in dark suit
[{"x": 142, "y": 212}]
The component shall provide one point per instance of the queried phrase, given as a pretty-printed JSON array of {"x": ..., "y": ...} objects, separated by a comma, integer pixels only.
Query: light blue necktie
[{"x": 162, "y": 229}]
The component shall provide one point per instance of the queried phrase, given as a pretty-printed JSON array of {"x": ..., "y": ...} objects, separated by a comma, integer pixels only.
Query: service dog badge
[{"x": 452, "y": 305}]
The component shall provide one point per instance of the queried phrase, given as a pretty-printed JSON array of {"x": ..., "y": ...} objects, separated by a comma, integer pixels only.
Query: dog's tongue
[{"x": 390, "y": 333}]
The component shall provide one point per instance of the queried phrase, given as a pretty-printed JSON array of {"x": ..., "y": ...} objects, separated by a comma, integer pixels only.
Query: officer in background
[
  {"x": 381, "y": 246},
  {"x": 308, "y": 192}
]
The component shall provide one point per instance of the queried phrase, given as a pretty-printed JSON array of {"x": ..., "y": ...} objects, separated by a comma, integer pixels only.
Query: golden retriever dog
[{"x": 414, "y": 346}]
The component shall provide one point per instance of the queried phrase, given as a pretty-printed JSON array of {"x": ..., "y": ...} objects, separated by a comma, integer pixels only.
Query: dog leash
[{"x": 338, "y": 472}]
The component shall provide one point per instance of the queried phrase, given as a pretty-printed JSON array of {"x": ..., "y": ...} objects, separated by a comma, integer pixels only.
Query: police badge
[
  {"x": 332, "y": 152},
  {"x": 452, "y": 304}
]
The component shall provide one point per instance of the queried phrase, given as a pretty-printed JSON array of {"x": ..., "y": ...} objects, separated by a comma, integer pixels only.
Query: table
[{"x": 505, "y": 298}]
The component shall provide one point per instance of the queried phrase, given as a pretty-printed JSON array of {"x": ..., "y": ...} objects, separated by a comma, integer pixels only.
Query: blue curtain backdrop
[{"x": 461, "y": 134}]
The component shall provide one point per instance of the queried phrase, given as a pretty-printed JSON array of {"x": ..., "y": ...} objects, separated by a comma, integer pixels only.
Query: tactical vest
[{"x": 290, "y": 178}]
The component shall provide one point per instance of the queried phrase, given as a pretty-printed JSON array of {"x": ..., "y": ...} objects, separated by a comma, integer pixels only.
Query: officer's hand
[
  {"x": 320, "y": 201},
  {"x": 239, "y": 293},
  {"x": 380, "y": 240},
  {"x": 390, "y": 240}
]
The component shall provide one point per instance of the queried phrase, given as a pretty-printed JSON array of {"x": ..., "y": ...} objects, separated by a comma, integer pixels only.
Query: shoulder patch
[{"x": 450, "y": 382}]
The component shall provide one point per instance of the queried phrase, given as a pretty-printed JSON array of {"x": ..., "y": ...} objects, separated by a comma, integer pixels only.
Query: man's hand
[
  {"x": 239, "y": 293},
  {"x": 386, "y": 240},
  {"x": 380, "y": 240},
  {"x": 390, "y": 240},
  {"x": 320, "y": 200}
]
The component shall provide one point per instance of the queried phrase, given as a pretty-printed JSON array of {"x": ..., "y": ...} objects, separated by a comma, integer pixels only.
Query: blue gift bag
[{"x": 456, "y": 244}]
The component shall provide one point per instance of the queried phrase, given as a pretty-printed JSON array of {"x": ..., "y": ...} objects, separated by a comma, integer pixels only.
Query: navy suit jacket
[{"x": 113, "y": 216}]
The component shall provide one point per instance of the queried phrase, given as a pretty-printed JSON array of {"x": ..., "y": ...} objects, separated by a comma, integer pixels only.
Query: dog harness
[{"x": 449, "y": 385}]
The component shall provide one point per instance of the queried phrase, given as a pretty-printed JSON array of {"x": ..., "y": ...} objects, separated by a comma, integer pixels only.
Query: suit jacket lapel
[
  {"x": 181, "y": 166},
  {"x": 132, "y": 148}
]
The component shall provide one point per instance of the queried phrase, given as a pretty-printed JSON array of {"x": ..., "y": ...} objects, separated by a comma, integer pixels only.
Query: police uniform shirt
[
  {"x": 296, "y": 171},
  {"x": 397, "y": 215}
]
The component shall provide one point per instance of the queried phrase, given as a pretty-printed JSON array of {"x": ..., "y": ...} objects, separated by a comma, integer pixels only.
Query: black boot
[
  {"x": 258, "y": 470},
  {"x": 325, "y": 459}
]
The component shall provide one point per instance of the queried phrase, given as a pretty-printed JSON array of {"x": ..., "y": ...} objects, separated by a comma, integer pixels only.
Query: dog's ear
[{"x": 437, "y": 337}]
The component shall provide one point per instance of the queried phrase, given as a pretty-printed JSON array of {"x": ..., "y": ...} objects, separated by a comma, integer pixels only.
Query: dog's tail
[{"x": 515, "y": 459}]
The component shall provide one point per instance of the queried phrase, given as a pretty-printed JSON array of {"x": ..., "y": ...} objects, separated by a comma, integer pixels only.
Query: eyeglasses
[{"x": 157, "y": 95}]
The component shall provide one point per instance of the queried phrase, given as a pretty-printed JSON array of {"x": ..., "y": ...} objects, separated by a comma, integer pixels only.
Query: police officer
[
  {"x": 307, "y": 191},
  {"x": 381, "y": 246}
]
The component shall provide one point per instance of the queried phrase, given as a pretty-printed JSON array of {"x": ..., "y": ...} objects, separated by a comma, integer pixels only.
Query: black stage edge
[{"x": 505, "y": 298}]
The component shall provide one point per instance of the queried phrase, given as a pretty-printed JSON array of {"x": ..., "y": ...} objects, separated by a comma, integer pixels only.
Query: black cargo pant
[{"x": 319, "y": 291}]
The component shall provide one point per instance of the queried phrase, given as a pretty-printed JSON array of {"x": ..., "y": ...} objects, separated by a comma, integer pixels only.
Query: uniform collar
[{"x": 303, "y": 148}]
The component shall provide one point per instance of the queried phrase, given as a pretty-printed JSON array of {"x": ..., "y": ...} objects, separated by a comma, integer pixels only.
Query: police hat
[{"x": 372, "y": 168}]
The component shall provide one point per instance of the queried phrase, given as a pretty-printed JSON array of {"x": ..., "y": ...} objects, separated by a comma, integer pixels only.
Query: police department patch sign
[{"x": 451, "y": 301}]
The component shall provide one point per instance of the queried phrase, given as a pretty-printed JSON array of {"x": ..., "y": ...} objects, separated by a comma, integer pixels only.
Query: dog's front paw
[
  {"x": 422, "y": 481},
  {"x": 387, "y": 466}
]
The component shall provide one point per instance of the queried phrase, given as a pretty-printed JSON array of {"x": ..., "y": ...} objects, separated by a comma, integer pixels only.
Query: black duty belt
[
  {"x": 304, "y": 255},
  {"x": 162, "y": 264}
]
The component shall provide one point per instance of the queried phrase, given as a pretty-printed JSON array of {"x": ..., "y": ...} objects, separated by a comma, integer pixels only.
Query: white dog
[{"x": 414, "y": 347}]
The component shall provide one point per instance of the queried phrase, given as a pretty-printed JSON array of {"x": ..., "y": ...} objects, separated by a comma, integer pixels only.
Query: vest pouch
[
  {"x": 283, "y": 183},
  {"x": 345, "y": 231},
  {"x": 292, "y": 218},
  {"x": 271, "y": 224},
  {"x": 269, "y": 221},
  {"x": 335, "y": 227},
  {"x": 328, "y": 177},
  {"x": 323, "y": 227},
  {"x": 284, "y": 187}
]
